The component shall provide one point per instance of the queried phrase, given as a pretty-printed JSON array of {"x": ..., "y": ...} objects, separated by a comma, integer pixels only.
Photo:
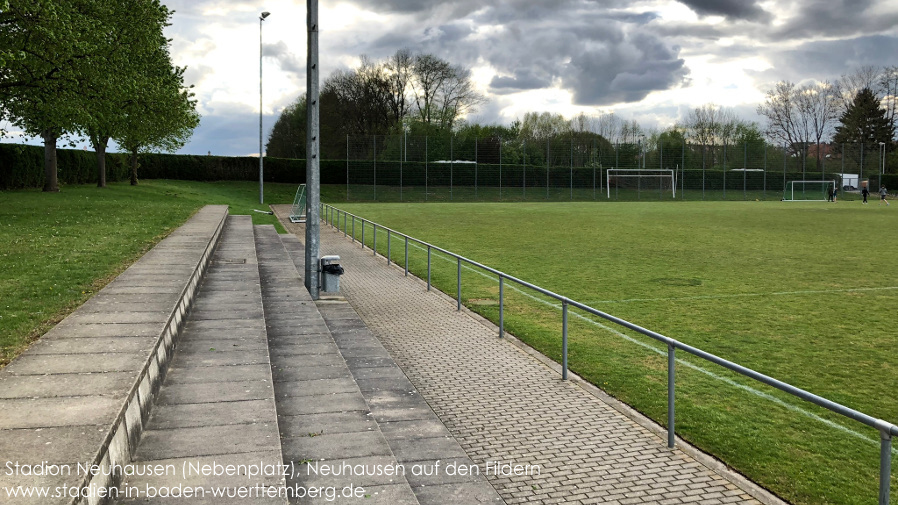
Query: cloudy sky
[{"x": 646, "y": 60}]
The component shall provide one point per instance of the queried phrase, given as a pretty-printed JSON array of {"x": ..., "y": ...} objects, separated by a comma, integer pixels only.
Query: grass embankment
[
  {"x": 60, "y": 248},
  {"x": 803, "y": 292}
]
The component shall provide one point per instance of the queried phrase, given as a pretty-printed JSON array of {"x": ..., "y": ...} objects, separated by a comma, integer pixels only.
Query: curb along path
[{"x": 503, "y": 405}]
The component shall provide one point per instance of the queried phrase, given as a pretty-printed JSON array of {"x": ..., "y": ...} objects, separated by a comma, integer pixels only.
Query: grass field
[
  {"x": 804, "y": 292},
  {"x": 59, "y": 248}
]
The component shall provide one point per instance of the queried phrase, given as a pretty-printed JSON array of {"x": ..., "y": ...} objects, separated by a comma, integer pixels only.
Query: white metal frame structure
[
  {"x": 825, "y": 188},
  {"x": 298, "y": 212},
  {"x": 650, "y": 173}
]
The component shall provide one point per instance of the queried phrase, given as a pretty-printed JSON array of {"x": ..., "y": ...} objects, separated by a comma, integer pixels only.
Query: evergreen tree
[{"x": 864, "y": 122}]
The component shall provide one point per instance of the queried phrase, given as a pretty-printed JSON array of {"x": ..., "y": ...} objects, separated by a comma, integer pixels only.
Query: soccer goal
[
  {"x": 808, "y": 191},
  {"x": 641, "y": 179},
  {"x": 298, "y": 212}
]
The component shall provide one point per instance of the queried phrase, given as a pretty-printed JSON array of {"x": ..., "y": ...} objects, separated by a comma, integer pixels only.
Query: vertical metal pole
[
  {"x": 425, "y": 174},
  {"x": 374, "y": 240},
  {"x": 885, "y": 466},
  {"x": 524, "y": 171},
  {"x": 458, "y": 290},
  {"x": 500, "y": 169},
  {"x": 765, "y": 170},
  {"x": 572, "y": 168},
  {"x": 451, "y": 163},
  {"x": 671, "y": 372},
  {"x": 345, "y": 219},
  {"x": 784, "y": 168},
  {"x": 363, "y": 233},
  {"x": 428, "y": 268},
  {"x": 683, "y": 173},
  {"x": 501, "y": 306},
  {"x": 347, "y": 168},
  {"x": 475, "y": 168},
  {"x": 724, "y": 170},
  {"x": 564, "y": 340},
  {"x": 389, "y": 245},
  {"x": 261, "y": 182},
  {"x": 374, "y": 138},
  {"x": 400, "y": 177},
  {"x": 548, "y": 151},
  {"x": 313, "y": 172},
  {"x": 406, "y": 256},
  {"x": 353, "y": 228},
  {"x": 744, "y": 171}
]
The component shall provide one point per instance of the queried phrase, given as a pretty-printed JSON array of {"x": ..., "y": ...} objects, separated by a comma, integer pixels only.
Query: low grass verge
[{"x": 60, "y": 248}]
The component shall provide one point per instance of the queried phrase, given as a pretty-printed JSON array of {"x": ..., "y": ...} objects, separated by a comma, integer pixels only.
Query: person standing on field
[
  {"x": 865, "y": 192},
  {"x": 883, "y": 191}
]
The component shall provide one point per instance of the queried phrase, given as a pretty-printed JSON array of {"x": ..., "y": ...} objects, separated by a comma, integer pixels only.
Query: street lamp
[{"x": 261, "y": 190}]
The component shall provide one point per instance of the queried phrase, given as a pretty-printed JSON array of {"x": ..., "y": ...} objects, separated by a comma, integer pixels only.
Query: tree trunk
[
  {"x": 51, "y": 181},
  {"x": 134, "y": 167},
  {"x": 100, "y": 146}
]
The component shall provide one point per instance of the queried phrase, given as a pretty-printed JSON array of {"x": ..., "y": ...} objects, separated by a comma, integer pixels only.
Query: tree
[
  {"x": 47, "y": 44},
  {"x": 799, "y": 116},
  {"x": 287, "y": 136},
  {"x": 888, "y": 85},
  {"x": 160, "y": 118},
  {"x": 864, "y": 122}
]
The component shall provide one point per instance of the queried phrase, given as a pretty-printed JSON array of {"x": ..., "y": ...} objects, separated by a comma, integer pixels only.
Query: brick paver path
[{"x": 503, "y": 405}]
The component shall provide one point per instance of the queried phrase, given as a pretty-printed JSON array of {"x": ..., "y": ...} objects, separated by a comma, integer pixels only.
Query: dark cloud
[
  {"x": 521, "y": 81},
  {"x": 288, "y": 61},
  {"x": 747, "y": 10},
  {"x": 827, "y": 60},
  {"x": 836, "y": 18}
]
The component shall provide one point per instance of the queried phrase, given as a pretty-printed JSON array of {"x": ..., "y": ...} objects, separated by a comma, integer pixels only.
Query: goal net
[
  {"x": 641, "y": 180},
  {"x": 298, "y": 212},
  {"x": 808, "y": 191}
]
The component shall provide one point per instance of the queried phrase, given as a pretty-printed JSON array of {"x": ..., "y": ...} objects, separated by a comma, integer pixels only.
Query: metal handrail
[{"x": 885, "y": 428}]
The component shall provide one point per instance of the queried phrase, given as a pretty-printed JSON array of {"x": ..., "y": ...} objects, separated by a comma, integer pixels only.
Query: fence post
[
  {"x": 425, "y": 171},
  {"x": 548, "y": 150},
  {"x": 428, "y": 268},
  {"x": 400, "y": 173},
  {"x": 374, "y": 140},
  {"x": 345, "y": 228},
  {"x": 475, "y": 168},
  {"x": 347, "y": 168},
  {"x": 374, "y": 240},
  {"x": 458, "y": 291},
  {"x": 885, "y": 466},
  {"x": 572, "y": 168},
  {"x": 500, "y": 168},
  {"x": 406, "y": 256},
  {"x": 353, "y": 228},
  {"x": 389, "y": 245},
  {"x": 363, "y": 233},
  {"x": 671, "y": 373},
  {"x": 564, "y": 339},
  {"x": 451, "y": 162},
  {"x": 501, "y": 306}
]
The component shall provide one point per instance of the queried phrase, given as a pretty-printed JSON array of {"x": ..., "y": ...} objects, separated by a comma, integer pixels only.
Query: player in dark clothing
[{"x": 865, "y": 193}]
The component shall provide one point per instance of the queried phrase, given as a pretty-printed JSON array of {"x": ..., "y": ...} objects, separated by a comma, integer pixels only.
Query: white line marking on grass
[
  {"x": 747, "y": 295},
  {"x": 663, "y": 352}
]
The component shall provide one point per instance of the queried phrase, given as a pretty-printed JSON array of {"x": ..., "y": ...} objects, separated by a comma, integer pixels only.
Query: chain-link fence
[{"x": 585, "y": 167}]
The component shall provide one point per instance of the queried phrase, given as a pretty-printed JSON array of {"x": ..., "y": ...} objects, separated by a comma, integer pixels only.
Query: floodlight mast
[
  {"x": 313, "y": 180},
  {"x": 261, "y": 190}
]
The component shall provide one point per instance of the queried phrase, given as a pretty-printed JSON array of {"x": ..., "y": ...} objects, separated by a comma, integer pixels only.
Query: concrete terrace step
[
  {"x": 82, "y": 393},
  {"x": 216, "y": 406},
  {"x": 341, "y": 397}
]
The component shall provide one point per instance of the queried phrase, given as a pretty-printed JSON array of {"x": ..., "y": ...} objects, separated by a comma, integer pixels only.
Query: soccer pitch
[{"x": 804, "y": 292}]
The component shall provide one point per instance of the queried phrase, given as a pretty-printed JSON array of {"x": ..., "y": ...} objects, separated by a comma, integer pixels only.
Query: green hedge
[{"x": 22, "y": 166}]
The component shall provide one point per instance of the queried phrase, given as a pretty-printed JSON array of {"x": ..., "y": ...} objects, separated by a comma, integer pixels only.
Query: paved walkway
[{"x": 502, "y": 404}]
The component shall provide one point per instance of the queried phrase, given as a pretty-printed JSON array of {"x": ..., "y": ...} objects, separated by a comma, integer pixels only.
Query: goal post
[
  {"x": 298, "y": 211},
  {"x": 808, "y": 191},
  {"x": 663, "y": 179}
]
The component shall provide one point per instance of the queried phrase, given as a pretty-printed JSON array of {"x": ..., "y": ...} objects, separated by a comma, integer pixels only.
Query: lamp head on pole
[{"x": 264, "y": 15}]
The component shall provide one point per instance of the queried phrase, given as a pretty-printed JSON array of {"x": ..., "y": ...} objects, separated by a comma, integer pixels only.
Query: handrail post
[
  {"x": 363, "y": 234},
  {"x": 564, "y": 339},
  {"x": 345, "y": 228},
  {"x": 428, "y": 267},
  {"x": 353, "y": 228},
  {"x": 374, "y": 242},
  {"x": 885, "y": 466},
  {"x": 671, "y": 372},
  {"x": 458, "y": 291},
  {"x": 501, "y": 306},
  {"x": 389, "y": 243},
  {"x": 406, "y": 255}
]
